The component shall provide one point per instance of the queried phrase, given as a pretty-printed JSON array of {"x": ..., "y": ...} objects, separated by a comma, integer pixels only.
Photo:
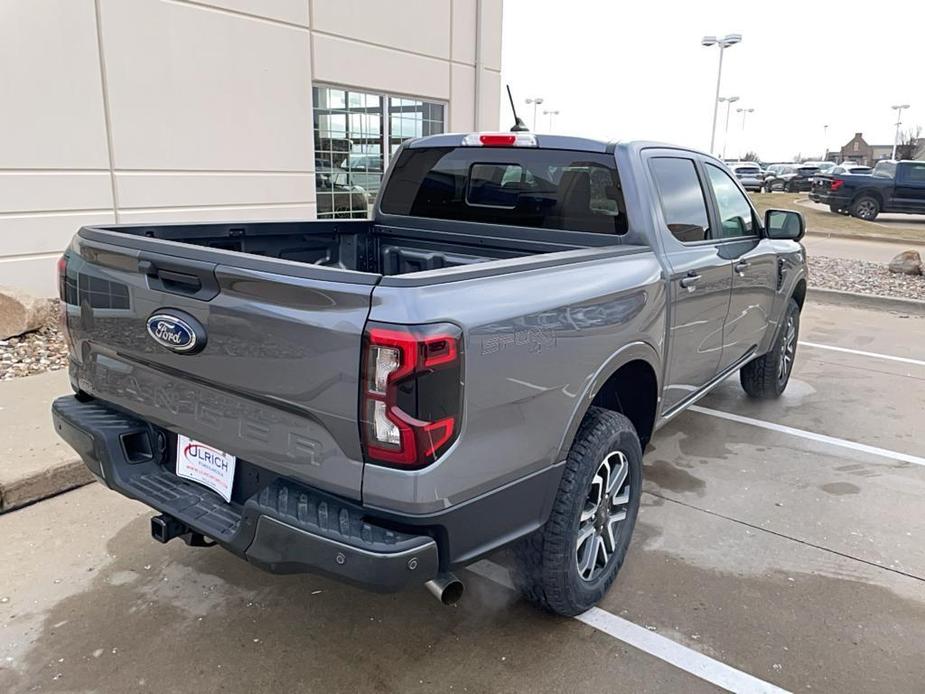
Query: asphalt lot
[{"x": 780, "y": 541}]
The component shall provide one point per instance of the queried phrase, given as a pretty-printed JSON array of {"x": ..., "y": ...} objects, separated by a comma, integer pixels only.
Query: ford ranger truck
[{"x": 479, "y": 365}]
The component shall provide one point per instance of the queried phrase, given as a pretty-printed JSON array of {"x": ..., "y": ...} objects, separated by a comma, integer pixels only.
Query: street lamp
[
  {"x": 550, "y": 114},
  {"x": 536, "y": 101},
  {"x": 730, "y": 100},
  {"x": 744, "y": 112},
  {"x": 825, "y": 136},
  {"x": 723, "y": 43},
  {"x": 899, "y": 122}
]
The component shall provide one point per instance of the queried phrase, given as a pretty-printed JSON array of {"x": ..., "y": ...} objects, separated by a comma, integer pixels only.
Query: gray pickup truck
[{"x": 479, "y": 365}]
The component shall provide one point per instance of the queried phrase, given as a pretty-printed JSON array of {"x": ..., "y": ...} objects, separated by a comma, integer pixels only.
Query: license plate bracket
[{"x": 206, "y": 465}]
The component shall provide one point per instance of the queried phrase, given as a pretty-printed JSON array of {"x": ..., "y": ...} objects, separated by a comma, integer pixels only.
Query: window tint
[
  {"x": 914, "y": 172},
  {"x": 735, "y": 212},
  {"x": 681, "y": 198},
  {"x": 550, "y": 189}
]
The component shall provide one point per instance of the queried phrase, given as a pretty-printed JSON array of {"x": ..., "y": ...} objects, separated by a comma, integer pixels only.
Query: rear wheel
[
  {"x": 767, "y": 376},
  {"x": 865, "y": 207},
  {"x": 568, "y": 565}
]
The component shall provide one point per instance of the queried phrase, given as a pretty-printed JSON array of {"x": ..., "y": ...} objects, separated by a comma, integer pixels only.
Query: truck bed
[{"x": 353, "y": 245}]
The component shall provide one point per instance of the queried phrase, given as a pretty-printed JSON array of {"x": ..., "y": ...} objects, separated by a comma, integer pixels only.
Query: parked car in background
[
  {"x": 336, "y": 197},
  {"x": 892, "y": 186},
  {"x": 749, "y": 175},
  {"x": 349, "y": 397},
  {"x": 850, "y": 169},
  {"x": 792, "y": 178},
  {"x": 365, "y": 171},
  {"x": 823, "y": 166}
]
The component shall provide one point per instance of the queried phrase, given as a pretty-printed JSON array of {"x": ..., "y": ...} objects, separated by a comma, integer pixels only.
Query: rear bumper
[
  {"x": 826, "y": 198},
  {"x": 284, "y": 527}
]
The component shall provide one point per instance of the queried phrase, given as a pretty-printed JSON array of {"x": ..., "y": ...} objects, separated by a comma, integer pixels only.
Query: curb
[
  {"x": 869, "y": 301},
  {"x": 51, "y": 481}
]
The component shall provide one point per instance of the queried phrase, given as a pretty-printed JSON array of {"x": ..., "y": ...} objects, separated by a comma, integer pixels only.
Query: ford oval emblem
[{"x": 178, "y": 332}]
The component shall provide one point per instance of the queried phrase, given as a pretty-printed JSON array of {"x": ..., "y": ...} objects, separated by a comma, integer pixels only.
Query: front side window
[
  {"x": 681, "y": 198},
  {"x": 735, "y": 212}
]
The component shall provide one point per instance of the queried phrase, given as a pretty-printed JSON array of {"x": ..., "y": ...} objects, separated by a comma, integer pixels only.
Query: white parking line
[
  {"x": 682, "y": 657},
  {"x": 812, "y": 436},
  {"x": 875, "y": 355}
]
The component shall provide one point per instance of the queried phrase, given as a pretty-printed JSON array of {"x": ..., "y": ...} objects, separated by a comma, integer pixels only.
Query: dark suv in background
[{"x": 792, "y": 178}]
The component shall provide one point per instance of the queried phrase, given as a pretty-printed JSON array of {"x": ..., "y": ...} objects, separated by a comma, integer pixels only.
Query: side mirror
[{"x": 784, "y": 224}]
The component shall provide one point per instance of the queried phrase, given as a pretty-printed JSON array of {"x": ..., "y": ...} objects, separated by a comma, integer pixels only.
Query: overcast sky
[{"x": 636, "y": 70}]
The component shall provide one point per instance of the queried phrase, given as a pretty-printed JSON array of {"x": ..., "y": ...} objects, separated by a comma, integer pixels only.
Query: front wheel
[
  {"x": 568, "y": 565},
  {"x": 767, "y": 376}
]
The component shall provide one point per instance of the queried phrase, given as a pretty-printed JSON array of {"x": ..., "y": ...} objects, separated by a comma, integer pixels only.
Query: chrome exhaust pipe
[{"x": 446, "y": 588}]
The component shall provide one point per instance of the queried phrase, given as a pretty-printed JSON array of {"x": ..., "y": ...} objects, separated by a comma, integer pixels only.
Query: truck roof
[{"x": 581, "y": 144}]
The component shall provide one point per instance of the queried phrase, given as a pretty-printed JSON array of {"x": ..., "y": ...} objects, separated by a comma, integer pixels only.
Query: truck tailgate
[{"x": 276, "y": 383}]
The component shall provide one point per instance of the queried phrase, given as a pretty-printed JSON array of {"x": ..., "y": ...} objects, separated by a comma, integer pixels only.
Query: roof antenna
[{"x": 519, "y": 126}]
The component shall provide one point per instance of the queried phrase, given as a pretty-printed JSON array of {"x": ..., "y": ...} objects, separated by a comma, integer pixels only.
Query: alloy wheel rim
[
  {"x": 866, "y": 209},
  {"x": 788, "y": 350},
  {"x": 603, "y": 512}
]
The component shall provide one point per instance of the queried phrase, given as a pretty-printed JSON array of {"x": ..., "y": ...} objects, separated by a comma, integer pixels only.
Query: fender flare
[{"x": 634, "y": 351}]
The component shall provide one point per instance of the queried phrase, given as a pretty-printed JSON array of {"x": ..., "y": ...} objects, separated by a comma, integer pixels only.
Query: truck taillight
[
  {"x": 410, "y": 392},
  {"x": 62, "y": 305},
  {"x": 836, "y": 184},
  {"x": 62, "y": 278}
]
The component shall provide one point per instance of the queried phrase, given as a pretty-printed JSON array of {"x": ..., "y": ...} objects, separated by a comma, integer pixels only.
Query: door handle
[
  {"x": 741, "y": 266},
  {"x": 689, "y": 281}
]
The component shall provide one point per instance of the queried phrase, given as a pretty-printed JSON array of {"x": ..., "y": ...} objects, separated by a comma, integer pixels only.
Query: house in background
[{"x": 858, "y": 151}]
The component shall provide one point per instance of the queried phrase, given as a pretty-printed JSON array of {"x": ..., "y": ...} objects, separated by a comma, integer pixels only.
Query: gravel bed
[
  {"x": 45, "y": 350},
  {"x": 863, "y": 277},
  {"x": 33, "y": 353}
]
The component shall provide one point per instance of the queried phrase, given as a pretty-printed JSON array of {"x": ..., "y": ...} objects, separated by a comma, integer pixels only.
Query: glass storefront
[{"x": 355, "y": 134}]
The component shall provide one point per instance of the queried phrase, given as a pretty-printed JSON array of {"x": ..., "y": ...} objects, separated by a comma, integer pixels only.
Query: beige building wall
[{"x": 167, "y": 110}]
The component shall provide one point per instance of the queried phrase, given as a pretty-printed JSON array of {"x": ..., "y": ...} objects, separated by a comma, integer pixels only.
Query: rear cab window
[{"x": 541, "y": 188}]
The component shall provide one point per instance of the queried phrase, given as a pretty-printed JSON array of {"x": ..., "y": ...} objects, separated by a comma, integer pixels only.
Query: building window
[{"x": 355, "y": 135}]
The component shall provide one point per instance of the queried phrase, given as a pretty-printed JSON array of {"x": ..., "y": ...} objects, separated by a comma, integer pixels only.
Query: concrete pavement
[
  {"x": 795, "y": 560},
  {"x": 34, "y": 462}
]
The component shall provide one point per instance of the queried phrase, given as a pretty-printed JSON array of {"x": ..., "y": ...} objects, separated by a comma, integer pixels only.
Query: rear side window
[
  {"x": 542, "y": 188},
  {"x": 681, "y": 197},
  {"x": 914, "y": 173}
]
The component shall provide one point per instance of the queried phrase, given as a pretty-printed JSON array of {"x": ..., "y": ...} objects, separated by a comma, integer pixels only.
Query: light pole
[
  {"x": 550, "y": 114},
  {"x": 730, "y": 100},
  {"x": 744, "y": 112},
  {"x": 825, "y": 137},
  {"x": 899, "y": 122},
  {"x": 723, "y": 43},
  {"x": 536, "y": 101}
]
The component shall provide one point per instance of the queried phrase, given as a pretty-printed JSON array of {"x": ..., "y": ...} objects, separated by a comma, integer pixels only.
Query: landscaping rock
[
  {"x": 907, "y": 263},
  {"x": 20, "y": 312}
]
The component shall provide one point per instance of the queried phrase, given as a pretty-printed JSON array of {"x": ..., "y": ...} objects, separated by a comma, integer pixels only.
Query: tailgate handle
[{"x": 200, "y": 286}]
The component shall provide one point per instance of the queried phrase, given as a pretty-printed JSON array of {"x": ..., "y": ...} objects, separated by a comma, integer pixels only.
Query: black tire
[
  {"x": 547, "y": 571},
  {"x": 865, "y": 207},
  {"x": 788, "y": 187},
  {"x": 767, "y": 376}
]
